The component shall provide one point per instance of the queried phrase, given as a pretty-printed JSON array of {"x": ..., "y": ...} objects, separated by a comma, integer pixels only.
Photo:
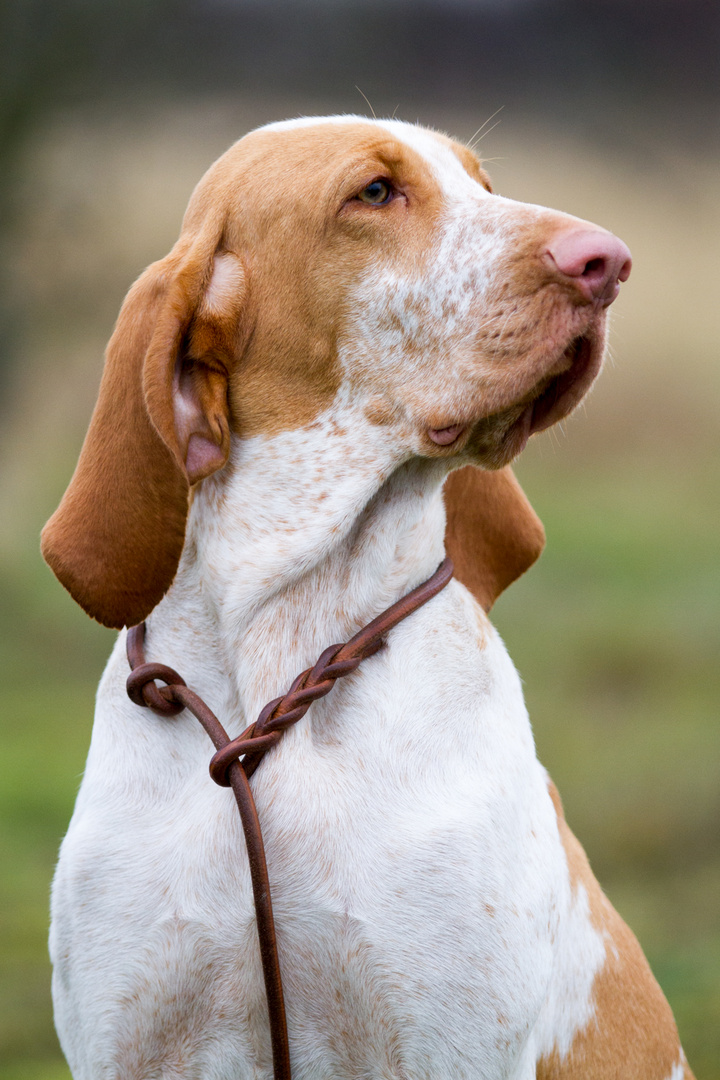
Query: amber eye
[{"x": 377, "y": 194}]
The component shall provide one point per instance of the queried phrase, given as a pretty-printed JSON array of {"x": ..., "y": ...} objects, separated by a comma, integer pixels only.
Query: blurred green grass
[{"x": 615, "y": 632}]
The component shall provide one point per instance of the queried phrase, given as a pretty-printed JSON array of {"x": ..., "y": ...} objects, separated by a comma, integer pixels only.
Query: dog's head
[{"x": 325, "y": 257}]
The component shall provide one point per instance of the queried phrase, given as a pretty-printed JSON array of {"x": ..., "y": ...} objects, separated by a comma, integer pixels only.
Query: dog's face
[
  {"x": 325, "y": 260},
  {"x": 376, "y": 258}
]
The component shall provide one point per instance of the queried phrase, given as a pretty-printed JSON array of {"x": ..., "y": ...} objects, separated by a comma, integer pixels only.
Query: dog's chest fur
[{"x": 418, "y": 880}]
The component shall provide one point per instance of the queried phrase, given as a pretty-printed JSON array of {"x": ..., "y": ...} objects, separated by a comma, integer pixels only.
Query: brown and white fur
[{"x": 348, "y": 316}]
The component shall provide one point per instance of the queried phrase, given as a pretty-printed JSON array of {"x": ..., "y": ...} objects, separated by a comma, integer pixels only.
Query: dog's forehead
[
  {"x": 445, "y": 160},
  {"x": 283, "y": 167}
]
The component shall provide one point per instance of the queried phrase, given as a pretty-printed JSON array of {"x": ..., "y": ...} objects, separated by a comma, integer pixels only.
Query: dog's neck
[{"x": 306, "y": 537}]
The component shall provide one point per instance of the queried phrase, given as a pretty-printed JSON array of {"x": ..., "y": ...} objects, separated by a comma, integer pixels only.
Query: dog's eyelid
[{"x": 396, "y": 192}]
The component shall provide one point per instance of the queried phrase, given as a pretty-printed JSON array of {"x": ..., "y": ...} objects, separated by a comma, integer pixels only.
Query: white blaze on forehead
[
  {"x": 445, "y": 166},
  {"x": 316, "y": 121}
]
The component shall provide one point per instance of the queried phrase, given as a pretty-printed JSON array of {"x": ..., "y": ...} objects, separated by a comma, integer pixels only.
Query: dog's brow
[{"x": 444, "y": 164}]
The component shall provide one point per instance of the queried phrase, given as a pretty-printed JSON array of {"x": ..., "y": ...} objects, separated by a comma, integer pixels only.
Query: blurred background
[{"x": 109, "y": 114}]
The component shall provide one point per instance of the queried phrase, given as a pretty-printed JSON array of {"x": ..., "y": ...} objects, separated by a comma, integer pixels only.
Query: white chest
[{"x": 417, "y": 878}]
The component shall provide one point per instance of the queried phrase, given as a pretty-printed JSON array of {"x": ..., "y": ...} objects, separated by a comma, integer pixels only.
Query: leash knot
[{"x": 141, "y": 688}]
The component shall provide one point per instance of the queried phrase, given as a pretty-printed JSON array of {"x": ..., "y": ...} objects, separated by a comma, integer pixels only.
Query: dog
[{"x": 316, "y": 394}]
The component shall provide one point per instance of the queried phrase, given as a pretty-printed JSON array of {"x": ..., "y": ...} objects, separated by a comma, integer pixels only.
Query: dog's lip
[
  {"x": 551, "y": 398},
  {"x": 446, "y": 436},
  {"x": 554, "y": 396},
  {"x": 565, "y": 390}
]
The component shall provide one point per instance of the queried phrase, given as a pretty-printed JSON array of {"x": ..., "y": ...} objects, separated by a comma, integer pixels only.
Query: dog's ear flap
[
  {"x": 160, "y": 424},
  {"x": 493, "y": 534}
]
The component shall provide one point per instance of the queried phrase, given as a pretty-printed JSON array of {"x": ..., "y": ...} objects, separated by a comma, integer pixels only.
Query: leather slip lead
[{"x": 236, "y": 760}]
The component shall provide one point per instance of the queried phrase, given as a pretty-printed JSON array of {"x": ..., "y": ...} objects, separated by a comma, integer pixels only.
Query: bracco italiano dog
[{"x": 349, "y": 317}]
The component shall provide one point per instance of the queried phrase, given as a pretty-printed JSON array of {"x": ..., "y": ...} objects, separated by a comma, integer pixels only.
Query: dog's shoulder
[{"x": 631, "y": 1031}]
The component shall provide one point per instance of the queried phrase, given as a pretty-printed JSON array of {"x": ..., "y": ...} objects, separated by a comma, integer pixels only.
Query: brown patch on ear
[
  {"x": 116, "y": 539},
  {"x": 493, "y": 534},
  {"x": 632, "y": 1032}
]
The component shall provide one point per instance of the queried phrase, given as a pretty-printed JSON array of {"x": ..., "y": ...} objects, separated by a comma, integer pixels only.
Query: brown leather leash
[{"x": 236, "y": 760}]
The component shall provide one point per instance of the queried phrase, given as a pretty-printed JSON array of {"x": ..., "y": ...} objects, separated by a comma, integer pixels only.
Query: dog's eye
[{"x": 378, "y": 193}]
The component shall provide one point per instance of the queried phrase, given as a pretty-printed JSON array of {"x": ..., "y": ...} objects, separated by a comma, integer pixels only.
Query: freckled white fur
[{"x": 427, "y": 927}]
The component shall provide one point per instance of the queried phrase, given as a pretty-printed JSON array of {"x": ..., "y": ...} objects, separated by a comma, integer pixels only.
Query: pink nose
[{"x": 594, "y": 260}]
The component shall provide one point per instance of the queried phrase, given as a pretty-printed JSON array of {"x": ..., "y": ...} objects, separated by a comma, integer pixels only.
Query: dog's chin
[{"x": 498, "y": 439}]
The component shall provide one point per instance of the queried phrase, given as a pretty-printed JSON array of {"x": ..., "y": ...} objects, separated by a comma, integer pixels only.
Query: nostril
[
  {"x": 595, "y": 275},
  {"x": 594, "y": 267}
]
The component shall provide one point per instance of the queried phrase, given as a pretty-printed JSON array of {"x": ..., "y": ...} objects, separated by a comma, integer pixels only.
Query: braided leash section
[
  {"x": 236, "y": 760},
  {"x": 283, "y": 712}
]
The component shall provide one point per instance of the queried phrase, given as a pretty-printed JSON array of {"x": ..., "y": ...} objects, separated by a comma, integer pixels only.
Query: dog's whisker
[
  {"x": 367, "y": 101},
  {"x": 492, "y": 117},
  {"x": 477, "y": 141}
]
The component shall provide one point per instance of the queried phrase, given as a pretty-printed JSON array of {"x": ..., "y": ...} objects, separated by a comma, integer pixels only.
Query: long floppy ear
[
  {"x": 493, "y": 534},
  {"x": 160, "y": 424}
]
